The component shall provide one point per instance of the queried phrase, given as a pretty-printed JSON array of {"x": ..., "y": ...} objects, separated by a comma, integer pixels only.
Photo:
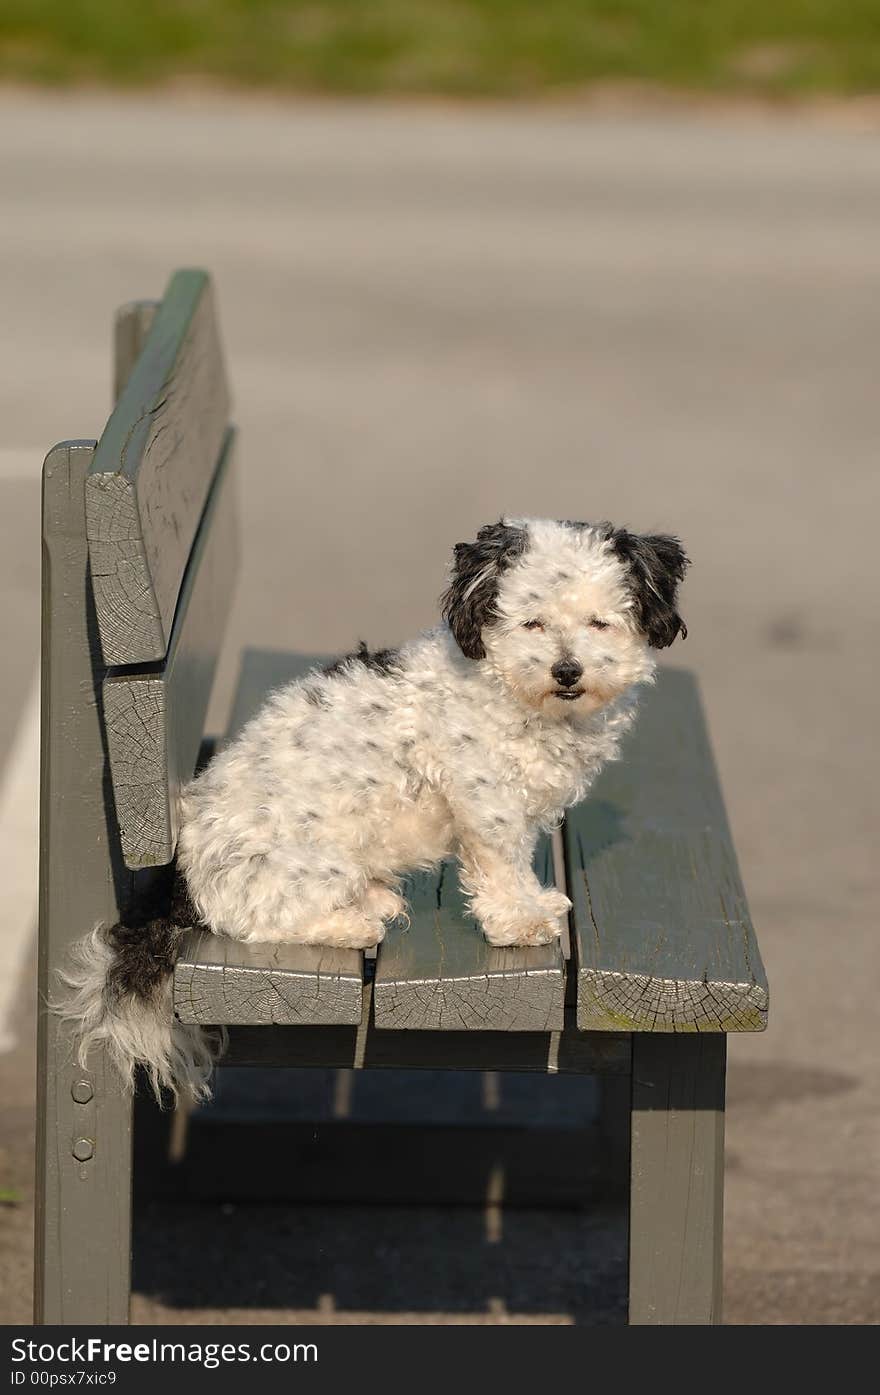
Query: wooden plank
[
  {"x": 155, "y": 720},
  {"x": 676, "y": 1179},
  {"x": 130, "y": 330},
  {"x": 664, "y": 938},
  {"x": 151, "y": 473},
  {"x": 569, "y": 1052},
  {"x": 440, "y": 974},
  {"x": 82, "y": 1231},
  {"x": 223, "y": 982}
]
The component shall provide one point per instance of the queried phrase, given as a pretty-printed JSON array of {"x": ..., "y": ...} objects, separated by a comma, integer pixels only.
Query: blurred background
[{"x": 593, "y": 258}]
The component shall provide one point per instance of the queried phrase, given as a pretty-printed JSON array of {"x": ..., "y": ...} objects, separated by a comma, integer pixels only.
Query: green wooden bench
[{"x": 140, "y": 546}]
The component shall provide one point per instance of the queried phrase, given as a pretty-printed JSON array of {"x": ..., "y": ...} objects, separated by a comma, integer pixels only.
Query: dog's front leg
[{"x": 502, "y": 889}]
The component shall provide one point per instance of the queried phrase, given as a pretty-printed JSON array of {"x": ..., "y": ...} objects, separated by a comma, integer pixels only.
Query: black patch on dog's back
[
  {"x": 380, "y": 661},
  {"x": 315, "y": 697}
]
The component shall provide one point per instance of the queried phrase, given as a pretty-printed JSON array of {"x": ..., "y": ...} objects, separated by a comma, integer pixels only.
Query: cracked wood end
[
  {"x": 441, "y": 974},
  {"x": 223, "y": 982},
  {"x": 152, "y": 470},
  {"x": 155, "y": 720}
]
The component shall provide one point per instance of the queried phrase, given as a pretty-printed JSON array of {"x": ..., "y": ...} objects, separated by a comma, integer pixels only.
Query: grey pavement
[{"x": 435, "y": 315}]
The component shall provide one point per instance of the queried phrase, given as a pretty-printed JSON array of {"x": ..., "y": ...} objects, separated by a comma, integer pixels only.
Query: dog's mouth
[{"x": 568, "y": 694}]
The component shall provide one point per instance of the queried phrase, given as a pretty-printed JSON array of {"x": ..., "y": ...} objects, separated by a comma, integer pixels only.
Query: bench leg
[
  {"x": 676, "y": 1178},
  {"x": 83, "y": 1186},
  {"x": 83, "y": 1182}
]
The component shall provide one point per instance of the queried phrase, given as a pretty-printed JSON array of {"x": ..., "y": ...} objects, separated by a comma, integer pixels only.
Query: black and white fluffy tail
[{"x": 117, "y": 991}]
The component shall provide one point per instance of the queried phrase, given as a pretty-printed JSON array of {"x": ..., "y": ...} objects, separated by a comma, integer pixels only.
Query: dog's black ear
[
  {"x": 469, "y": 602},
  {"x": 656, "y": 563}
]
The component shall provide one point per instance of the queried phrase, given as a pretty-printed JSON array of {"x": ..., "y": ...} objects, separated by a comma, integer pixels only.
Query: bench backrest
[
  {"x": 152, "y": 472},
  {"x": 161, "y": 529}
]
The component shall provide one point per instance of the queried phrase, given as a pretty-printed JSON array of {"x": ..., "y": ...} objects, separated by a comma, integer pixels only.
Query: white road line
[{"x": 19, "y": 843}]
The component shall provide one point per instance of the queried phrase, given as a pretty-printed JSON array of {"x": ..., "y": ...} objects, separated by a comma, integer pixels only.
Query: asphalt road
[{"x": 434, "y": 316}]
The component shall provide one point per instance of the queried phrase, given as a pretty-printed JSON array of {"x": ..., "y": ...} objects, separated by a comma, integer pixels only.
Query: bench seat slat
[
  {"x": 664, "y": 938},
  {"x": 440, "y": 973},
  {"x": 223, "y": 982},
  {"x": 155, "y": 719}
]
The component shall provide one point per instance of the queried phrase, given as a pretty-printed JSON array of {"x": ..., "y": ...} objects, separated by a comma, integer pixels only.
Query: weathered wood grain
[
  {"x": 152, "y": 471},
  {"x": 154, "y": 720},
  {"x": 440, "y": 974},
  {"x": 222, "y": 982},
  {"x": 130, "y": 330},
  {"x": 664, "y": 938},
  {"x": 676, "y": 1179}
]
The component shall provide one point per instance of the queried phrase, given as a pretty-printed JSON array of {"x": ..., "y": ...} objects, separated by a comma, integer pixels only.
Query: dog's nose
[{"x": 566, "y": 672}]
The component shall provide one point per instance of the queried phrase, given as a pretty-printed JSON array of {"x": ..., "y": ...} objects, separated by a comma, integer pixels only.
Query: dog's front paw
[
  {"x": 555, "y": 903},
  {"x": 537, "y": 921},
  {"x": 532, "y": 932}
]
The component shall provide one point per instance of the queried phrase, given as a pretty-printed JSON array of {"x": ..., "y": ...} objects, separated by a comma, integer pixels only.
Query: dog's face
[{"x": 565, "y": 613}]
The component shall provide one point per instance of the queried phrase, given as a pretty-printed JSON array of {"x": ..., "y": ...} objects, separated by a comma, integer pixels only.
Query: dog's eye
[
  {"x": 598, "y": 624},
  {"x": 533, "y": 624}
]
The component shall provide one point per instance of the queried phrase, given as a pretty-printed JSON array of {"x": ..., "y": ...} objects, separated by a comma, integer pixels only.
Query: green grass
[{"x": 454, "y": 47}]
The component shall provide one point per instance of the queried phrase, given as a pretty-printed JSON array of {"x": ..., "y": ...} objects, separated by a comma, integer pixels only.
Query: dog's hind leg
[
  {"x": 384, "y": 901},
  {"x": 350, "y": 927},
  {"x": 358, "y": 925}
]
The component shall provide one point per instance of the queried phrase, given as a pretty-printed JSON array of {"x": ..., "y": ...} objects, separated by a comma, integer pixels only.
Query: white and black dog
[{"x": 467, "y": 741}]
